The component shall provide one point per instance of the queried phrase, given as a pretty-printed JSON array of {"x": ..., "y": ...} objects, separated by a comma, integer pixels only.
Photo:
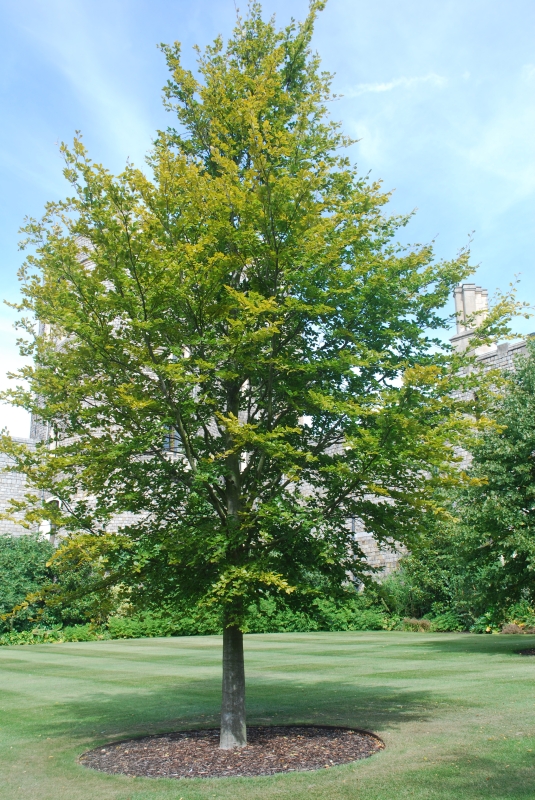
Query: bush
[
  {"x": 23, "y": 569},
  {"x": 447, "y": 622},
  {"x": 270, "y": 615},
  {"x": 408, "y": 599},
  {"x": 163, "y": 623},
  {"x": 522, "y": 614},
  {"x": 416, "y": 625},
  {"x": 34, "y": 594},
  {"x": 512, "y": 627},
  {"x": 273, "y": 615},
  {"x": 74, "y": 633}
]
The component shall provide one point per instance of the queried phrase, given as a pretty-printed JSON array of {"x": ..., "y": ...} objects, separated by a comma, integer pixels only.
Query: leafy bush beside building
[{"x": 23, "y": 570}]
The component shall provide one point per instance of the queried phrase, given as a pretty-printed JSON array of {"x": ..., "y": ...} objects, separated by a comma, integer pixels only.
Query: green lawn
[{"x": 456, "y": 711}]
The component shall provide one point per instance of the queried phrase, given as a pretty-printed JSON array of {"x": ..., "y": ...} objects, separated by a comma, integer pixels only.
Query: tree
[
  {"x": 497, "y": 512},
  {"x": 235, "y": 350},
  {"x": 477, "y": 562},
  {"x": 438, "y": 578}
]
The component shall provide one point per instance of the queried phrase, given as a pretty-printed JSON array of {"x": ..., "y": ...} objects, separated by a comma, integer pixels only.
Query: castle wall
[
  {"x": 503, "y": 356},
  {"x": 12, "y": 487},
  {"x": 385, "y": 559}
]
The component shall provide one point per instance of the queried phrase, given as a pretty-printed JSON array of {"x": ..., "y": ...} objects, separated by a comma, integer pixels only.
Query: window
[{"x": 171, "y": 442}]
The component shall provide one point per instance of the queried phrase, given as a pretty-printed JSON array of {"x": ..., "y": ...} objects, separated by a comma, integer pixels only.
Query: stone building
[{"x": 12, "y": 487}]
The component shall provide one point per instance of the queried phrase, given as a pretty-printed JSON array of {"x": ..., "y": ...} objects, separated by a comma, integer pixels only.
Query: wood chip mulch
[
  {"x": 270, "y": 750},
  {"x": 529, "y": 652}
]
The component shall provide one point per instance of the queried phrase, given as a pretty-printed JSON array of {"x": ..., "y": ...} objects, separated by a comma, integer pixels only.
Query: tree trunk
[{"x": 233, "y": 731}]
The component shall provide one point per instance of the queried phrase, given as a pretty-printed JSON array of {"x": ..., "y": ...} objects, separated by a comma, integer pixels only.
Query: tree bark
[{"x": 233, "y": 730}]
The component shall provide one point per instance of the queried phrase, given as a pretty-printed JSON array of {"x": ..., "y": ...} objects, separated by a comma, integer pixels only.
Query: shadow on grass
[
  {"x": 484, "y": 644},
  {"x": 493, "y": 777},
  {"x": 106, "y": 718}
]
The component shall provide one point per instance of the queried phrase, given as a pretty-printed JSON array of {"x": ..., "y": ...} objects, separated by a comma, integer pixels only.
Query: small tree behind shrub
[{"x": 23, "y": 569}]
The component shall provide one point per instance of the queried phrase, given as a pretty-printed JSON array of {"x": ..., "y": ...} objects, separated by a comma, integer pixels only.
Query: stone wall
[
  {"x": 503, "y": 356},
  {"x": 383, "y": 558},
  {"x": 12, "y": 487}
]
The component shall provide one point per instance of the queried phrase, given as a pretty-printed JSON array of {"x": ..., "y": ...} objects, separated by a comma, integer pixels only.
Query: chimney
[{"x": 471, "y": 307}]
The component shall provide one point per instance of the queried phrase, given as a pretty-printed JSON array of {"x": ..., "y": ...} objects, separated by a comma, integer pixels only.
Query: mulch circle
[
  {"x": 270, "y": 750},
  {"x": 530, "y": 651}
]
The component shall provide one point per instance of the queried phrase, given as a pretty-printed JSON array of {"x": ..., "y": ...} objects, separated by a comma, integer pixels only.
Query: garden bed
[{"x": 270, "y": 750}]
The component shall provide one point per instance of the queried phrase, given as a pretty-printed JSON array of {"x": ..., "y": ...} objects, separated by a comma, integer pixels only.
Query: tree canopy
[
  {"x": 232, "y": 346},
  {"x": 479, "y": 563},
  {"x": 498, "y": 510}
]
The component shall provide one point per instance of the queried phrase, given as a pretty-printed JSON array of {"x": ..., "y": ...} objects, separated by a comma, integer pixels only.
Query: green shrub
[
  {"x": 270, "y": 615},
  {"x": 448, "y": 621},
  {"x": 71, "y": 633},
  {"x": 163, "y": 623},
  {"x": 23, "y": 569},
  {"x": 416, "y": 625},
  {"x": 350, "y": 613},
  {"x": 522, "y": 614},
  {"x": 140, "y": 626}
]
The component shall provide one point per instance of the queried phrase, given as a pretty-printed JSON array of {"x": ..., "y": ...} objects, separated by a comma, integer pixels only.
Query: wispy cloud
[
  {"x": 398, "y": 83},
  {"x": 16, "y": 420}
]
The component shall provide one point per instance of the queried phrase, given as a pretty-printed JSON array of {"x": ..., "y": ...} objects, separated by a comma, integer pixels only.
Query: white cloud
[
  {"x": 404, "y": 83},
  {"x": 16, "y": 420}
]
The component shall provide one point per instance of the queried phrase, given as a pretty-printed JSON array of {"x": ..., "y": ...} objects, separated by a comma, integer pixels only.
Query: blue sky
[{"x": 441, "y": 94}]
